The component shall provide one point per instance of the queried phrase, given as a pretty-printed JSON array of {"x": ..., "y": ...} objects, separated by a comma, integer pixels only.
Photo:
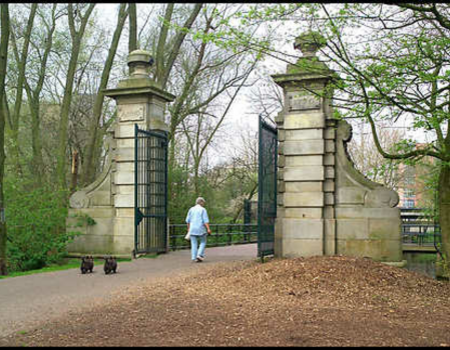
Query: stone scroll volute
[{"x": 374, "y": 195}]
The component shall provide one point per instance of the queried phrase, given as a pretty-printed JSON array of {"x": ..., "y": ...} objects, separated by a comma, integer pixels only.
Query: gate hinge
[{"x": 139, "y": 216}]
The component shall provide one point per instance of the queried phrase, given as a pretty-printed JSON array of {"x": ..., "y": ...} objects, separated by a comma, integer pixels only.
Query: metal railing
[
  {"x": 222, "y": 235},
  {"x": 421, "y": 234},
  {"x": 418, "y": 229}
]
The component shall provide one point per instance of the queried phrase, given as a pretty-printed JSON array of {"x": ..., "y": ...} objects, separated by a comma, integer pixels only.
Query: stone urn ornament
[
  {"x": 309, "y": 43},
  {"x": 140, "y": 63}
]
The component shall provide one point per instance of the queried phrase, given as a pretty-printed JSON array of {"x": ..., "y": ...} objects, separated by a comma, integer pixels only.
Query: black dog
[
  {"x": 87, "y": 264},
  {"x": 110, "y": 264}
]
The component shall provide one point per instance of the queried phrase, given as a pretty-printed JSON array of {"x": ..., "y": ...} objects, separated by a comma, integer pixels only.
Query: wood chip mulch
[{"x": 316, "y": 301}]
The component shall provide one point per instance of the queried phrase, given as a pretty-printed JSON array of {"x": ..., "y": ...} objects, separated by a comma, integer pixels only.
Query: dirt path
[{"x": 29, "y": 301}]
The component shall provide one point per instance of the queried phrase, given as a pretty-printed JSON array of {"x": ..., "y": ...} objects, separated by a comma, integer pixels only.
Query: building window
[{"x": 409, "y": 203}]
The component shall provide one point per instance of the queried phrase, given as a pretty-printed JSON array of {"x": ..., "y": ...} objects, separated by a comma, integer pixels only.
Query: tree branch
[{"x": 178, "y": 41}]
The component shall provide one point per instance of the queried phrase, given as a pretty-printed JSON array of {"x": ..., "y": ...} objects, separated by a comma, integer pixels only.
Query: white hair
[{"x": 200, "y": 200}]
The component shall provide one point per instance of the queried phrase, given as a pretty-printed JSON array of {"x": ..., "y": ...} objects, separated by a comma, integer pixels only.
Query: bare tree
[
  {"x": 245, "y": 169},
  {"x": 200, "y": 134},
  {"x": 34, "y": 90},
  {"x": 21, "y": 59},
  {"x": 165, "y": 60},
  {"x": 266, "y": 97},
  {"x": 369, "y": 161},
  {"x": 75, "y": 16},
  {"x": 200, "y": 77},
  {"x": 93, "y": 145}
]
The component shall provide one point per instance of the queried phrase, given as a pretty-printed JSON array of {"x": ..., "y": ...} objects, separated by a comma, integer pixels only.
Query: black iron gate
[
  {"x": 150, "y": 192},
  {"x": 267, "y": 188}
]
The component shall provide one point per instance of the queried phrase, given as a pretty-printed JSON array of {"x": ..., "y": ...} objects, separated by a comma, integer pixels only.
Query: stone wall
[
  {"x": 325, "y": 206},
  {"x": 368, "y": 222}
]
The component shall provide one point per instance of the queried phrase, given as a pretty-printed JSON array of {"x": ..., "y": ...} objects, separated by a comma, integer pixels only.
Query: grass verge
[{"x": 68, "y": 264}]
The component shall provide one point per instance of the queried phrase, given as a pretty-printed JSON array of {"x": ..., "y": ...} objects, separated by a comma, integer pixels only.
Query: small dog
[
  {"x": 87, "y": 264},
  {"x": 110, "y": 264}
]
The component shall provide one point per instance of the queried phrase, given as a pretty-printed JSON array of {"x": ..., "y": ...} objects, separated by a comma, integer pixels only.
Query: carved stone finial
[
  {"x": 309, "y": 64},
  {"x": 140, "y": 62},
  {"x": 309, "y": 43}
]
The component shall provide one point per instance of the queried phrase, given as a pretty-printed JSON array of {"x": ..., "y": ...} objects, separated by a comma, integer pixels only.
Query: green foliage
[
  {"x": 311, "y": 37},
  {"x": 442, "y": 268},
  {"x": 83, "y": 219},
  {"x": 183, "y": 198},
  {"x": 429, "y": 176},
  {"x": 222, "y": 191},
  {"x": 36, "y": 226},
  {"x": 64, "y": 264},
  {"x": 180, "y": 196}
]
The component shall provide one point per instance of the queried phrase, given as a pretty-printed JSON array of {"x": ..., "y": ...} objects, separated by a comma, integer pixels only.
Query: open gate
[
  {"x": 267, "y": 188},
  {"x": 150, "y": 190}
]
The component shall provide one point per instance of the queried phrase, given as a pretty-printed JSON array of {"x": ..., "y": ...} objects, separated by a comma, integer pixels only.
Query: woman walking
[{"x": 198, "y": 227}]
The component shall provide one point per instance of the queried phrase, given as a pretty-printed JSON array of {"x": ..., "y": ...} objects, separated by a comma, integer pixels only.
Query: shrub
[{"x": 35, "y": 225}]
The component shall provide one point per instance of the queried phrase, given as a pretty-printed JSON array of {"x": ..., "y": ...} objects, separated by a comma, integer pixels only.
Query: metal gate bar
[
  {"x": 267, "y": 188},
  {"x": 150, "y": 191}
]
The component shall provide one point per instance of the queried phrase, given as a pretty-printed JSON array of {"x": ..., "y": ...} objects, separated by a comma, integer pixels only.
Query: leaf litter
[{"x": 314, "y": 301}]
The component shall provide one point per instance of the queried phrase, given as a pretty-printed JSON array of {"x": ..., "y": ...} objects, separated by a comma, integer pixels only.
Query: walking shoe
[{"x": 199, "y": 259}]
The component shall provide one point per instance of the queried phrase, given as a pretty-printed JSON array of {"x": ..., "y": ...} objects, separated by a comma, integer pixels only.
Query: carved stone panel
[
  {"x": 302, "y": 102},
  {"x": 131, "y": 112}
]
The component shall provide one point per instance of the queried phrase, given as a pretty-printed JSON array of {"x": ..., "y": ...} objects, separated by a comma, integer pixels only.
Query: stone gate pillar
[
  {"x": 110, "y": 199},
  {"x": 325, "y": 206},
  {"x": 305, "y": 217}
]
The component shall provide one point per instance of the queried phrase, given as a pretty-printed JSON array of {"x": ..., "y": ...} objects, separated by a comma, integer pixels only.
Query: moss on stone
[
  {"x": 308, "y": 65},
  {"x": 309, "y": 40}
]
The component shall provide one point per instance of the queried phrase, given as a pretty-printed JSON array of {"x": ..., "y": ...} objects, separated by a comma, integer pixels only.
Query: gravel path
[{"x": 28, "y": 301}]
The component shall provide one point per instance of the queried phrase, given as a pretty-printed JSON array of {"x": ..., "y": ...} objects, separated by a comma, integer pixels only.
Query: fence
[
  {"x": 222, "y": 235},
  {"x": 419, "y": 229}
]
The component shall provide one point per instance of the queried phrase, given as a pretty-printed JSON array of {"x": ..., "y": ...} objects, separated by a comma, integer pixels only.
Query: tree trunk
[
  {"x": 178, "y": 41},
  {"x": 89, "y": 168},
  {"x": 21, "y": 67},
  {"x": 196, "y": 177},
  {"x": 3, "y": 60},
  {"x": 132, "y": 41},
  {"x": 15, "y": 152},
  {"x": 73, "y": 183},
  {"x": 159, "y": 59},
  {"x": 37, "y": 163},
  {"x": 164, "y": 67},
  {"x": 61, "y": 161},
  {"x": 444, "y": 211},
  {"x": 36, "y": 142}
]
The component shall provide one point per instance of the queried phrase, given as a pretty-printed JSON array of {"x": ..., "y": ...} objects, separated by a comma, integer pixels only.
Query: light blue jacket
[{"x": 197, "y": 217}]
